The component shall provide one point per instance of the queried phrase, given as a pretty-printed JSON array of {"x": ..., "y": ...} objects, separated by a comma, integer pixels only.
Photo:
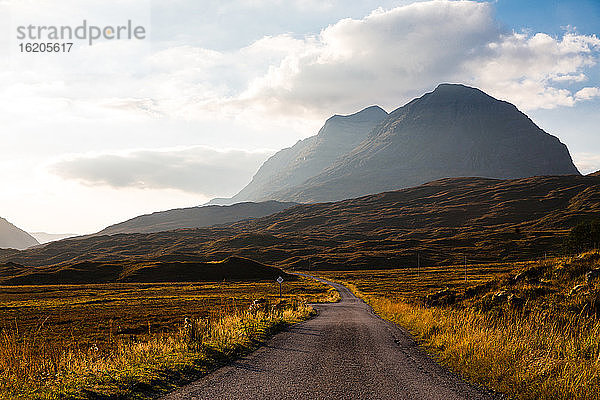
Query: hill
[
  {"x": 195, "y": 217},
  {"x": 12, "y": 237},
  {"x": 454, "y": 131},
  {"x": 185, "y": 269},
  {"x": 488, "y": 220}
]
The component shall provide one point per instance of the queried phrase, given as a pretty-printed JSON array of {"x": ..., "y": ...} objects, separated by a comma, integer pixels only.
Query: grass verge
[
  {"x": 32, "y": 368},
  {"x": 528, "y": 356}
]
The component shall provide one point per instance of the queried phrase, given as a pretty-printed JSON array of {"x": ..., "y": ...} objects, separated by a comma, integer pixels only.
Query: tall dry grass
[
  {"x": 31, "y": 367},
  {"x": 535, "y": 355}
]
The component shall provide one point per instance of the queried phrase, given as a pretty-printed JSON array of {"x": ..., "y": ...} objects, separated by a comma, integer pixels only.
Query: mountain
[
  {"x": 291, "y": 167},
  {"x": 454, "y": 131},
  {"x": 44, "y": 237},
  {"x": 195, "y": 217},
  {"x": 488, "y": 220},
  {"x": 12, "y": 237}
]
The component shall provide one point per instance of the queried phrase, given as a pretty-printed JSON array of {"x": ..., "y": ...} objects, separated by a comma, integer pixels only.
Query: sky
[{"x": 119, "y": 128}]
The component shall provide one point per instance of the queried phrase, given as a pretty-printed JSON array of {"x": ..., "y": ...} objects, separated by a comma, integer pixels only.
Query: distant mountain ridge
[
  {"x": 12, "y": 237},
  {"x": 195, "y": 217},
  {"x": 454, "y": 131},
  {"x": 489, "y": 220},
  {"x": 44, "y": 237}
]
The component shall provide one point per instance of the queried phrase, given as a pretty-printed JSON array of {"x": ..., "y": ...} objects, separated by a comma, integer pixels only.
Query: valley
[{"x": 454, "y": 217}]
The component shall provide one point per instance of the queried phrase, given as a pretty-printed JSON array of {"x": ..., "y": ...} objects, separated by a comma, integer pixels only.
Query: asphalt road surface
[{"x": 345, "y": 352}]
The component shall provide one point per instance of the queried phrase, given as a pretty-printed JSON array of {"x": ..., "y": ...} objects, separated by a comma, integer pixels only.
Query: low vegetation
[
  {"x": 530, "y": 330},
  {"x": 164, "y": 268},
  {"x": 136, "y": 340},
  {"x": 583, "y": 236}
]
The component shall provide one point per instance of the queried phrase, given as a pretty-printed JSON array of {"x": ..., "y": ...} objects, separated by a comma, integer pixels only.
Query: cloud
[
  {"x": 587, "y": 162},
  {"x": 202, "y": 170},
  {"x": 587, "y": 93},
  {"x": 386, "y": 58},
  {"x": 390, "y": 56},
  {"x": 531, "y": 70}
]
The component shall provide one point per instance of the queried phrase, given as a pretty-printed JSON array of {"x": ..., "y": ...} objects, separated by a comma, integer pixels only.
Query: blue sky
[
  {"x": 120, "y": 128},
  {"x": 555, "y": 17},
  {"x": 550, "y": 16}
]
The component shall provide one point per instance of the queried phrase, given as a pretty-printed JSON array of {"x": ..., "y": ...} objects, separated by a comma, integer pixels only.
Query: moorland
[{"x": 136, "y": 340}]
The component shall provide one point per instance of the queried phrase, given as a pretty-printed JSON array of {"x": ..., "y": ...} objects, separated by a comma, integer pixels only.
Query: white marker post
[{"x": 280, "y": 281}]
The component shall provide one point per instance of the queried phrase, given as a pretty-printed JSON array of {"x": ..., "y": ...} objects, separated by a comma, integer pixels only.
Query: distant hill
[
  {"x": 454, "y": 131},
  {"x": 44, "y": 237},
  {"x": 185, "y": 269},
  {"x": 291, "y": 167},
  {"x": 487, "y": 220},
  {"x": 597, "y": 173},
  {"x": 12, "y": 237},
  {"x": 195, "y": 217}
]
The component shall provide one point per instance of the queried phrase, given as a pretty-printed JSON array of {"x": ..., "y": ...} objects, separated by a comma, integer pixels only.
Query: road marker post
[{"x": 280, "y": 281}]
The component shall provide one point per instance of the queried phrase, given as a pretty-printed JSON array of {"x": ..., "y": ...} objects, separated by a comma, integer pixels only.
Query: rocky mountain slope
[
  {"x": 12, "y": 237},
  {"x": 291, "y": 167}
]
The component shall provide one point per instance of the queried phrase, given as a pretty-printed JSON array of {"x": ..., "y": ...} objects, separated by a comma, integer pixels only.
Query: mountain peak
[
  {"x": 455, "y": 91},
  {"x": 372, "y": 113},
  {"x": 292, "y": 166},
  {"x": 13, "y": 237},
  {"x": 453, "y": 131},
  {"x": 357, "y": 125}
]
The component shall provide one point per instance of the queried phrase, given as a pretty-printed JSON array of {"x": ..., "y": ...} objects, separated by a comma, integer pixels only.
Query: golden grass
[
  {"x": 530, "y": 356},
  {"x": 128, "y": 369},
  {"x": 549, "y": 348},
  {"x": 91, "y": 314},
  {"x": 36, "y": 363},
  {"x": 410, "y": 284}
]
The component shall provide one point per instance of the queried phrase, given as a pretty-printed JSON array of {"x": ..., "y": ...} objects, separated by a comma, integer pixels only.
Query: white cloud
[
  {"x": 201, "y": 170},
  {"x": 587, "y": 93},
  {"x": 386, "y": 57},
  {"x": 570, "y": 78},
  {"x": 390, "y": 56},
  {"x": 524, "y": 68}
]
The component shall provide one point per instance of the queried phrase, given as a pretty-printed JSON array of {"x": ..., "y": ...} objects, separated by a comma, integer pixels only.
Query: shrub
[{"x": 584, "y": 236}]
